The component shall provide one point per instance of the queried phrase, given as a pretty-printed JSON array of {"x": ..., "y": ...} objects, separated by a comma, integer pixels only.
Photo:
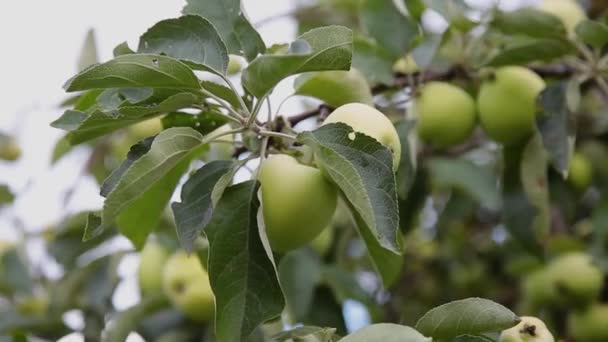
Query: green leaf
[
  {"x": 344, "y": 285},
  {"x": 6, "y": 195},
  {"x": 299, "y": 273},
  {"x": 531, "y": 50},
  {"x": 242, "y": 275},
  {"x": 373, "y": 61},
  {"x": 388, "y": 26},
  {"x": 191, "y": 39},
  {"x": 386, "y": 332},
  {"x": 48, "y": 328},
  {"x": 325, "y": 48},
  {"x": 530, "y": 22},
  {"x": 463, "y": 175},
  {"x": 415, "y": 8},
  {"x": 222, "y": 92},
  {"x": 557, "y": 126},
  {"x": 231, "y": 23},
  {"x": 593, "y": 33},
  {"x": 466, "y": 316},
  {"x": 88, "y": 52},
  {"x": 194, "y": 212},
  {"x": 335, "y": 88},
  {"x": 308, "y": 333},
  {"x": 424, "y": 54},
  {"x": 14, "y": 273},
  {"x": 362, "y": 169},
  {"x": 138, "y": 70},
  {"x": 122, "y": 49},
  {"x": 406, "y": 173},
  {"x": 473, "y": 338},
  {"x": 136, "y": 200},
  {"x": 86, "y": 126},
  {"x": 534, "y": 179},
  {"x": 123, "y": 323}
]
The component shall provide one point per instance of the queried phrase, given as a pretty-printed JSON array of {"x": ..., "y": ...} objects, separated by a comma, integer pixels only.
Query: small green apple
[
  {"x": 9, "y": 149},
  {"x": 222, "y": 148},
  {"x": 235, "y": 64},
  {"x": 576, "y": 278},
  {"x": 590, "y": 325},
  {"x": 568, "y": 11},
  {"x": 580, "y": 174},
  {"x": 186, "y": 284},
  {"x": 538, "y": 290},
  {"x": 151, "y": 262},
  {"x": 370, "y": 121},
  {"x": 298, "y": 202},
  {"x": 145, "y": 129},
  {"x": 507, "y": 104},
  {"x": 530, "y": 329},
  {"x": 446, "y": 114},
  {"x": 405, "y": 65},
  {"x": 33, "y": 305}
]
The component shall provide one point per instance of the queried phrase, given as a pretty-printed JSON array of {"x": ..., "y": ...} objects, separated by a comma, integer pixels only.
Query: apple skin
[
  {"x": 151, "y": 261},
  {"x": 235, "y": 65},
  {"x": 9, "y": 150},
  {"x": 576, "y": 278},
  {"x": 590, "y": 325},
  {"x": 322, "y": 243},
  {"x": 298, "y": 202},
  {"x": 580, "y": 174},
  {"x": 370, "y": 121},
  {"x": 186, "y": 284},
  {"x": 537, "y": 289},
  {"x": 568, "y": 11},
  {"x": 507, "y": 104},
  {"x": 145, "y": 129},
  {"x": 530, "y": 329},
  {"x": 405, "y": 65},
  {"x": 446, "y": 114}
]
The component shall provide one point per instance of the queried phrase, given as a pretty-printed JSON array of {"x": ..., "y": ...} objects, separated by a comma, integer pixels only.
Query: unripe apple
[
  {"x": 576, "y": 278},
  {"x": 446, "y": 114},
  {"x": 580, "y": 174},
  {"x": 298, "y": 202},
  {"x": 507, "y": 104},
  {"x": 145, "y": 129},
  {"x": 223, "y": 147},
  {"x": 186, "y": 284},
  {"x": 33, "y": 305},
  {"x": 538, "y": 290},
  {"x": 530, "y": 329},
  {"x": 590, "y": 325},
  {"x": 568, "y": 11},
  {"x": 235, "y": 64},
  {"x": 405, "y": 65},
  {"x": 151, "y": 262},
  {"x": 9, "y": 150},
  {"x": 370, "y": 121}
]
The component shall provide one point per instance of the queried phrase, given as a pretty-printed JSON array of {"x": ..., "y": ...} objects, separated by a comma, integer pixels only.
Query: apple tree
[{"x": 447, "y": 179}]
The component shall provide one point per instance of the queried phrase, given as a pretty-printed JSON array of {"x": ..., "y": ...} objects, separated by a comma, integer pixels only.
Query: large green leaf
[
  {"x": 374, "y": 62},
  {"x": 194, "y": 212},
  {"x": 6, "y": 195},
  {"x": 300, "y": 273},
  {"x": 556, "y": 125},
  {"x": 526, "y": 51},
  {"x": 231, "y": 23},
  {"x": 242, "y": 275},
  {"x": 191, "y": 39},
  {"x": 83, "y": 126},
  {"x": 138, "y": 70},
  {"x": 463, "y": 175},
  {"x": 362, "y": 168},
  {"x": 325, "y": 48},
  {"x": 137, "y": 196},
  {"x": 466, "y": 316},
  {"x": 530, "y": 22},
  {"x": 593, "y": 33},
  {"x": 386, "y": 332},
  {"x": 388, "y": 26},
  {"x": 335, "y": 88},
  {"x": 14, "y": 273}
]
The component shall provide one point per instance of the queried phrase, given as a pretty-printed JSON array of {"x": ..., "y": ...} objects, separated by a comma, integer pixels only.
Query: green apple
[
  {"x": 5, "y": 246},
  {"x": 405, "y": 65},
  {"x": 235, "y": 64},
  {"x": 370, "y": 121},
  {"x": 186, "y": 284},
  {"x": 530, "y": 329},
  {"x": 580, "y": 174},
  {"x": 9, "y": 149},
  {"x": 223, "y": 147},
  {"x": 151, "y": 261},
  {"x": 298, "y": 202},
  {"x": 322, "y": 243},
  {"x": 576, "y": 278},
  {"x": 590, "y": 325},
  {"x": 33, "y": 305},
  {"x": 507, "y": 104},
  {"x": 145, "y": 129},
  {"x": 446, "y": 114},
  {"x": 335, "y": 88},
  {"x": 537, "y": 289},
  {"x": 568, "y": 11}
]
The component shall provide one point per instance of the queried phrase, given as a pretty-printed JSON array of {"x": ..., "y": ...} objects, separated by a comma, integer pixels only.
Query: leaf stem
[
  {"x": 238, "y": 96},
  {"x": 211, "y": 137},
  {"x": 277, "y": 135},
  {"x": 256, "y": 111},
  {"x": 221, "y": 101}
]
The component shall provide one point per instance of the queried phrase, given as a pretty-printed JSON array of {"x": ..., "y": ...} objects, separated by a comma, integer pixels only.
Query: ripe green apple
[
  {"x": 235, "y": 64},
  {"x": 576, "y": 278},
  {"x": 151, "y": 261},
  {"x": 446, "y": 114},
  {"x": 298, "y": 202},
  {"x": 507, "y": 104},
  {"x": 222, "y": 148},
  {"x": 186, "y": 284},
  {"x": 568, "y": 11},
  {"x": 145, "y": 129},
  {"x": 530, "y": 329},
  {"x": 580, "y": 174},
  {"x": 590, "y": 325},
  {"x": 405, "y": 65},
  {"x": 370, "y": 121}
]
